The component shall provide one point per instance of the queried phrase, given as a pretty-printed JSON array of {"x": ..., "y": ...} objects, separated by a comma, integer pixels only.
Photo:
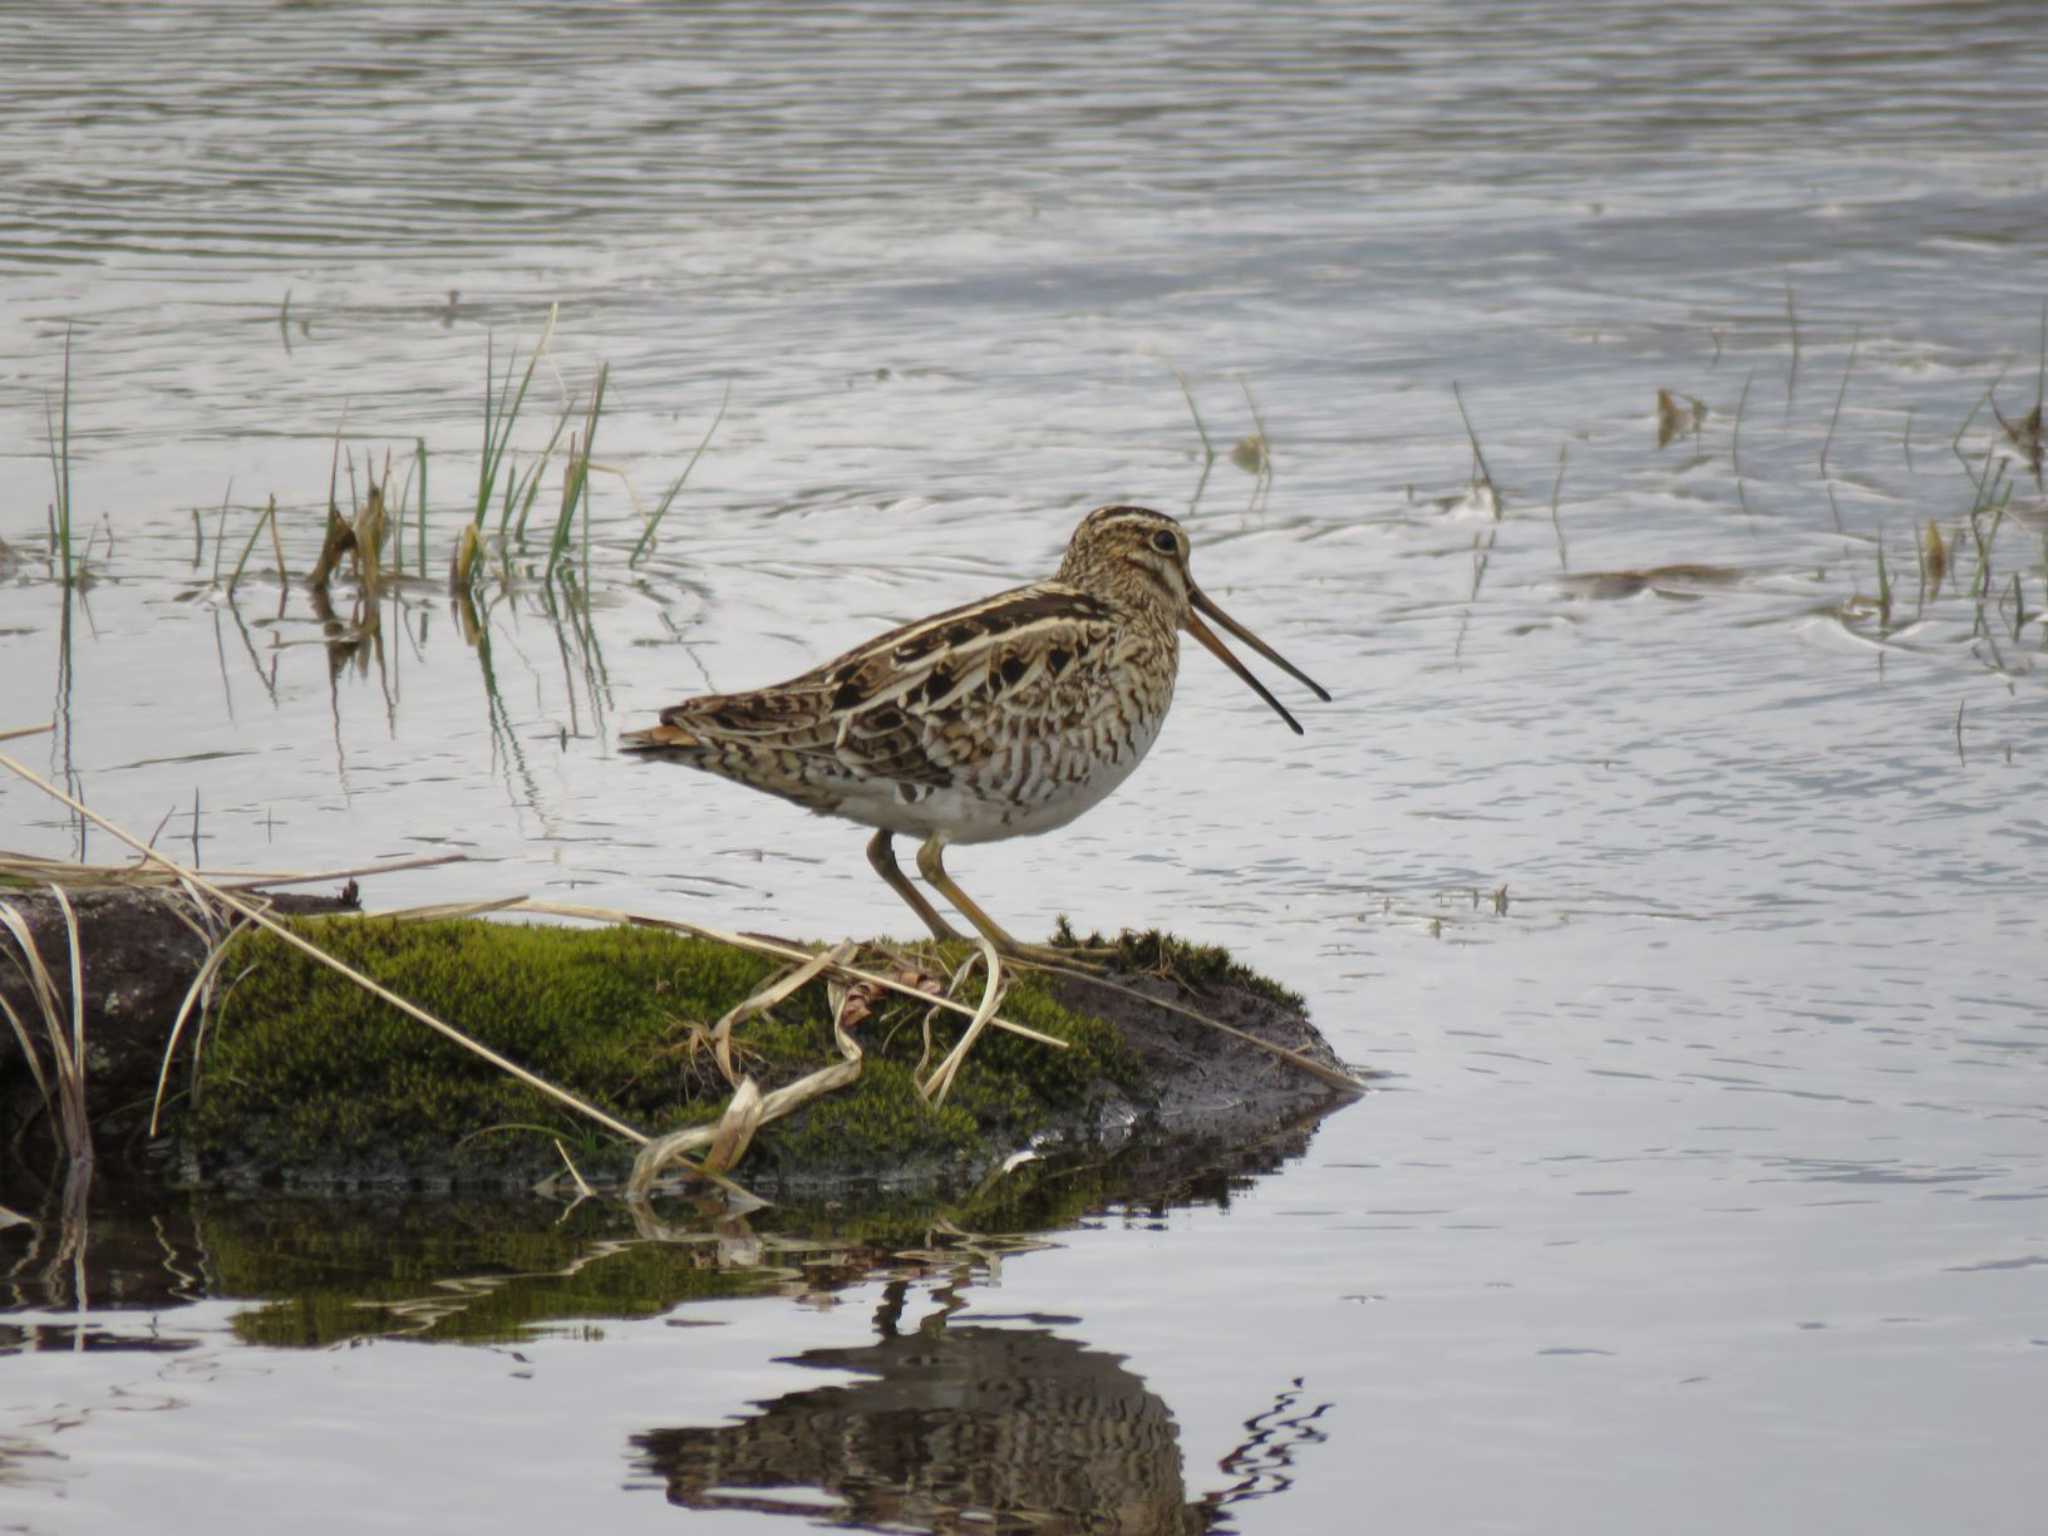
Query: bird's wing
[{"x": 909, "y": 704}]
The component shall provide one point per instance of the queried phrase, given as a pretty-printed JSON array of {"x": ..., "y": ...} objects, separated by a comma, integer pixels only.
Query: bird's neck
[{"x": 1127, "y": 589}]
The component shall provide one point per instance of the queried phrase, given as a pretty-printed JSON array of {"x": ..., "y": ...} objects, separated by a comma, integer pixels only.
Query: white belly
[{"x": 1021, "y": 796}]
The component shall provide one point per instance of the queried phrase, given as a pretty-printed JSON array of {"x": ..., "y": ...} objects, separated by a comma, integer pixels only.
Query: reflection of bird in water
[
  {"x": 976, "y": 1427},
  {"x": 1004, "y": 718}
]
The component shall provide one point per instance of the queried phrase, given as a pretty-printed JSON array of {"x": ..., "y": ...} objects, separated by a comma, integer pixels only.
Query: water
[{"x": 1708, "y": 1188}]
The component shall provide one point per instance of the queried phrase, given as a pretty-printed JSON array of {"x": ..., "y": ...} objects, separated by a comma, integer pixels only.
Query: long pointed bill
[{"x": 1209, "y": 638}]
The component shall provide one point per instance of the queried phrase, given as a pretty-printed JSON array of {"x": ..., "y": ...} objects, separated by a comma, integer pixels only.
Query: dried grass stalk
[
  {"x": 776, "y": 991},
  {"x": 583, "y": 1189},
  {"x": 935, "y": 1087},
  {"x": 33, "y": 868},
  {"x": 202, "y": 984},
  {"x": 339, "y": 539},
  {"x": 657, "y": 1156},
  {"x": 77, "y": 1128},
  {"x": 65, "y": 1096},
  {"x": 462, "y": 565},
  {"x": 10, "y": 916},
  {"x": 735, "y": 1129}
]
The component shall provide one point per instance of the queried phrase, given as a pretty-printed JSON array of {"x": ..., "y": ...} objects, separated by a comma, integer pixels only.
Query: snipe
[{"x": 1004, "y": 718}]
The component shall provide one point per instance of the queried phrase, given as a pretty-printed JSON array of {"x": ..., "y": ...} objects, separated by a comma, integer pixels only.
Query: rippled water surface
[{"x": 1675, "y": 839}]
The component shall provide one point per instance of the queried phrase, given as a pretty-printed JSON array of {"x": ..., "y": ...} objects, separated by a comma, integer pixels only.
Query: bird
[{"x": 1007, "y": 717}]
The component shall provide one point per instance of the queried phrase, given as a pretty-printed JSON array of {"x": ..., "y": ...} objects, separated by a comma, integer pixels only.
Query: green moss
[
  {"x": 307, "y": 1076},
  {"x": 1200, "y": 967}
]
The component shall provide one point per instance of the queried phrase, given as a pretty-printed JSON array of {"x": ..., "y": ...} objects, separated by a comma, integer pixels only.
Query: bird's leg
[
  {"x": 883, "y": 858},
  {"x": 931, "y": 865}
]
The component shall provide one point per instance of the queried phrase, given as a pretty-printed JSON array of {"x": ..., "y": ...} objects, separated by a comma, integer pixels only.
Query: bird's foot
[{"x": 1090, "y": 959}]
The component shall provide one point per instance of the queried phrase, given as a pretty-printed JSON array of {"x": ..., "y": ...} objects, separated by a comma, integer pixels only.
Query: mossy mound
[
  {"x": 1198, "y": 967},
  {"x": 308, "y": 1080}
]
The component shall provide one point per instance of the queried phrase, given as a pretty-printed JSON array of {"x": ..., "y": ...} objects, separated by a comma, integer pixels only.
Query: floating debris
[
  {"x": 1935, "y": 554},
  {"x": 2024, "y": 434},
  {"x": 1678, "y": 415},
  {"x": 1479, "y": 499},
  {"x": 1675, "y": 581}
]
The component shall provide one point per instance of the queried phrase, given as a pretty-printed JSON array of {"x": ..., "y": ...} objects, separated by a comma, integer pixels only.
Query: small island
[{"x": 298, "y": 1078}]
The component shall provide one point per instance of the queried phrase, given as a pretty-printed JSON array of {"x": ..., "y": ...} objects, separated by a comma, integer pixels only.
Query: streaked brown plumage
[{"x": 1002, "y": 718}]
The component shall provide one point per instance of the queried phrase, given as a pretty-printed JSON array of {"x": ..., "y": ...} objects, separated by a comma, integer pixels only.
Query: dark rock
[{"x": 141, "y": 947}]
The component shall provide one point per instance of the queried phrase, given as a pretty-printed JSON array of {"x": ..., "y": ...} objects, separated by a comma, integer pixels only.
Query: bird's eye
[{"x": 1165, "y": 542}]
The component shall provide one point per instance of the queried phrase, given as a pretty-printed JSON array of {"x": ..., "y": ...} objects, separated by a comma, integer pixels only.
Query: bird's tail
[{"x": 658, "y": 738}]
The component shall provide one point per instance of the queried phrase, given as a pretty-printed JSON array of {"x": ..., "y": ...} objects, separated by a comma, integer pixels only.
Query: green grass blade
[
  {"x": 654, "y": 522},
  {"x": 421, "y": 444},
  {"x": 58, "y": 435},
  {"x": 576, "y": 478},
  {"x": 269, "y": 515},
  {"x": 498, "y": 423},
  {"x": 529, "y": 485}
]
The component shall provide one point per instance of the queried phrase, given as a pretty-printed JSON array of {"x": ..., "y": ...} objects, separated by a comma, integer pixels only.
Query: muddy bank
[
  {"x": 1204, "y": 1094},
  {"x": 306, "y": 1082}
]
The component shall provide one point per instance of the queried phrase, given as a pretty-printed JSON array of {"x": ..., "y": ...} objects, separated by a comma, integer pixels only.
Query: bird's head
[{"x": 1136, "y": 557}]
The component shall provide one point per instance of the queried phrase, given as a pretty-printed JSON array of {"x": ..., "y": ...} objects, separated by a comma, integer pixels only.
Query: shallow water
[{"x": 1708, "y": 1189}]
